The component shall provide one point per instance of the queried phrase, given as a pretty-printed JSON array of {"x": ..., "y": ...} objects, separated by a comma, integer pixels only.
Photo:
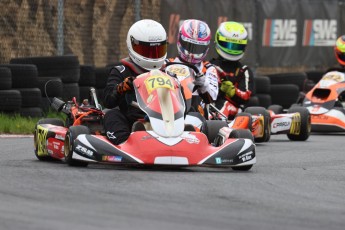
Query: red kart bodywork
[
  {"x": 49, "y": 140},
  {"x": 145, "y": 147}
]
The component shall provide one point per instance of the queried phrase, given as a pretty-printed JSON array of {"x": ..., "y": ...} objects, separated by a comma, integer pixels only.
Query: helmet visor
[
  {"x": 193, "y": 47},
  {"x": 153, "y": 50},
  {"x": 231, "y": 46}
]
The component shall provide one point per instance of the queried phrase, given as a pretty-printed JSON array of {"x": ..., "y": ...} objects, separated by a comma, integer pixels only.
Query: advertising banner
[
  {"x": 173, "y": 12},
  {"x": 282, "y": 33},
  {"x": 319, "y": 32}
]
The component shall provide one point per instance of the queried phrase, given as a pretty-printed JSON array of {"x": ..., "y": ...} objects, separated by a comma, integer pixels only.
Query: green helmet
[{"x": 231, "y": 40}]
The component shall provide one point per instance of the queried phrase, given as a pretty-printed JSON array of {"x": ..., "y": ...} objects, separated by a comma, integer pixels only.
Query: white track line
[{"x": 15, "y": 135}]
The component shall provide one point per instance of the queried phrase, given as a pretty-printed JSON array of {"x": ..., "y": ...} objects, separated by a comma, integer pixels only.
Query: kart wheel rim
[
  {"x": 35, "y": 141},
  {"x": 67, "y": 146},
  {"x": 309, "y": 125}
]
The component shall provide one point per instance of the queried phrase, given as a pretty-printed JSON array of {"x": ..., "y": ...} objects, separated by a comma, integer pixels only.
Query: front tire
[
  {"x": 257, "y": 110},
  {"x": 242, "y": 133},
  {"x": 51, "y": 121},
  {"x": 211, "y": 128},
  {"x": 305, "y": 128},
  {"x": 72, "y": 133}
]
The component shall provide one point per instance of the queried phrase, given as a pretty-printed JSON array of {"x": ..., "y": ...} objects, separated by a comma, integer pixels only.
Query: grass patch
[{"x": 16, "y": 124}]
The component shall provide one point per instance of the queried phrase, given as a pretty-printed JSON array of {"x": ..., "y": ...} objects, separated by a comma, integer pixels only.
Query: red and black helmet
[{"x": 339, "y": 50}]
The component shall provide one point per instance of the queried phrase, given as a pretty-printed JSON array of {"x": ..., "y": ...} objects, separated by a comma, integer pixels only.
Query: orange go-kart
[{"x": 326, "y": 103}]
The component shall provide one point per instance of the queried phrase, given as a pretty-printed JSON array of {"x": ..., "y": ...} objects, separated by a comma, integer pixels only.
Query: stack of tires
[
  {"x": 313, "y": 76},
  {"x": 287, "y": 88},
  {"x": 101, "y": 81},
  {"x": 25, "y": 80},
  {"x": 58, "y": 76},
  {"x": 86, "y": 81},
  {"x": 10, "y": 99},
  {"x": 261, "y": 93},
  {"x": 263, "y": 90}
]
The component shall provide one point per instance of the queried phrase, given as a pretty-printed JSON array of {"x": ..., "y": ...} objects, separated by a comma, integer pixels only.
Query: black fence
[{"x": 282, "y": 33}]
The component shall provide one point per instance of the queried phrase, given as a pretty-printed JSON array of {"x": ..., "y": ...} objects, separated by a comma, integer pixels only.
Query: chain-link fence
[{"x": 93, "y": 30}]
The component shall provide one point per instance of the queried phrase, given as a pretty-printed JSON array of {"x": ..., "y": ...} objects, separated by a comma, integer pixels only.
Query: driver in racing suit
[
  {"x": 145, "y": 54},
  {"x": 193, "y": 44},
  {"x": 235, "y": 79}
]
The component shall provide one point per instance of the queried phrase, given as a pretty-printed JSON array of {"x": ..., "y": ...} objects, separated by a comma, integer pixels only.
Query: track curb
[{"x": 16, "y": 135}]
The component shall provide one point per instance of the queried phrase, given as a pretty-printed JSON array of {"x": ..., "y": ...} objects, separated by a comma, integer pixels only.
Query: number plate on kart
[
  {"x": 181, "y": 71},
  {"x": 155, "y": 82}
]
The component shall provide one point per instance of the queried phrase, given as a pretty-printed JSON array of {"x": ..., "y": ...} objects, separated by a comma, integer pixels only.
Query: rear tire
[
  {"x": 242, "y": 133},
  {"x": 211, "y": 128},
  {"x": 51, "y": 121},
  {"x": 267, "y": 122},
  {"x": 276, "y": 109},
  {"x": 72, "y": 133},
  {"x": 305, "y": 128}
]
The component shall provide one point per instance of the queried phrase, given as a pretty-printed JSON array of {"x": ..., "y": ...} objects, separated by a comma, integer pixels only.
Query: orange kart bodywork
[{"x": 325, "y": 102}]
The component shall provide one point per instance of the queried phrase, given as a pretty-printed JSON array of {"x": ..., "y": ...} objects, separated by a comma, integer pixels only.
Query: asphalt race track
[{"x": 294, "y": 185}]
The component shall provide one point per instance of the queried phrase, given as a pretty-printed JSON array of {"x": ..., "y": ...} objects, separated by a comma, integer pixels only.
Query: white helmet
[{"x": 147, "y": 44}]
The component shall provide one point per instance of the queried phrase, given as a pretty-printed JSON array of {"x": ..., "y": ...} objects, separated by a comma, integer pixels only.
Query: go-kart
[
  {"x": 295, "y": 122},
  {"x": 325, "y": 102},
  {"x": 266, "y": 122},
  {"x": 263, "y": 123},
  {"x": 166, "y": 139},
  {"x": 50, "y": 133}
]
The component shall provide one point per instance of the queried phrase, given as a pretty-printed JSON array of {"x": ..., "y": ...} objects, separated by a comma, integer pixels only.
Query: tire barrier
[
  {"x": 31, "y": 97},
  {"x": 27, "y": 84},
  {"x": 253, "y": 101},
  {"x": 265, "y": 100},
  {"x": 50, "y": 86},
  {"x": 101, "y": 80},
  {"x": 261, "y": 95},
  {"x": 315, "y": 75},
  {"x": 262, "y": 84},
  {"x": 298, "y": 78},
  {"x": 23, "y": 80},
  {"x": 5, "y": 78},
  {"x": 284, "y": 94},
  {"x": 10, "y": 100},
  {"x": 31, "y": 112},
  {"x": 69, "y": 91},
  {"x": 87, "y": 75},
  {"x": 86, "y": 81},
  {"x": 23, "y": 75},
  {"x": 65, "y": 67}
]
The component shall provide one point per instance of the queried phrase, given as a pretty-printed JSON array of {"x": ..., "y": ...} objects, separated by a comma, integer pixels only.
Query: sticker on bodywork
[{"x": 42, "y": 141}]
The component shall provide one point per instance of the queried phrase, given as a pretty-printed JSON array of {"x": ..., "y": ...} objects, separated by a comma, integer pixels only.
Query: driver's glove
[
  {"x": 200, "y": 80},
  {"x": 125, "y": 86},
  {"x": 228, "y": 88},
  {"x": 202, "y": 84}
]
